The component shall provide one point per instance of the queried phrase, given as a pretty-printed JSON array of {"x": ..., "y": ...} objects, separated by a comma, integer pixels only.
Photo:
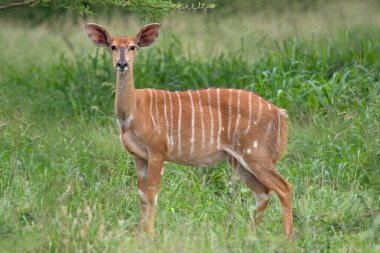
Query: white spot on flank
[
  {"x": 269, "y": 127},
  {"x": 143, "y": 197},
  {"x": 249, "y": 151},
  {"x": 202, "y": 122},
  {"x": 155, "y": 199},
  {"x": 211, "y": 117},
  {"x": 179, "y": 123},
  {"x": 249, "y": 113},
  {"x": 229, "y": 113},
  {"x": 192, "y": 140},
  {"x": 269, "y": 106},
  {"x": 255, "y": 144},
  {"x": 219, "y": 118}
]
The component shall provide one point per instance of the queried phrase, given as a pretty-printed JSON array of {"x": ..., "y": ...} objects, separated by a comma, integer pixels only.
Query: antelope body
[{"x": 198, "y": 127}]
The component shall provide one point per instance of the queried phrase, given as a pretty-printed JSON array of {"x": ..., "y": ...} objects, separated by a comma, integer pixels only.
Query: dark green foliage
[{"x": 153, "y": 9}]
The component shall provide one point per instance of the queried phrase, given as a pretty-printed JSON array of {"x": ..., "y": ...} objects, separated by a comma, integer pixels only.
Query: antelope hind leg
[{"x": 260, "y": 192}]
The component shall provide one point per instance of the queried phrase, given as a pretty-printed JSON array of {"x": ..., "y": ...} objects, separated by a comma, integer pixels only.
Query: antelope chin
[{"x": 121, "y": 70}]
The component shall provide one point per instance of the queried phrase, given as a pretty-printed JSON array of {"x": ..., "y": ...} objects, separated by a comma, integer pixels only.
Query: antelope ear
[
  {"x": 98, "y": 35},
  {"x": 148, "y": 35}
]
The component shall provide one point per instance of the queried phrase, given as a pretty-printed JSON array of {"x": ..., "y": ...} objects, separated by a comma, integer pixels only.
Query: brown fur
[{"x": 201, "y": 128}]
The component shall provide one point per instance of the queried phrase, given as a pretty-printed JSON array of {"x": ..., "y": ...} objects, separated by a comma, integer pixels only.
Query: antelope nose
[{"x": 121, "y": 65}]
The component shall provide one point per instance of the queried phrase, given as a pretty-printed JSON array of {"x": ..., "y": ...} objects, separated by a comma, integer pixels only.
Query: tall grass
[
  {"x": 66, "y": 184},
  {"x": 302, "y": 75}
]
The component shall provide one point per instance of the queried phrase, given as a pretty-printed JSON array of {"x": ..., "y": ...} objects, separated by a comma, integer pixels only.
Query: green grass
[{"x": 67, "y": 185}]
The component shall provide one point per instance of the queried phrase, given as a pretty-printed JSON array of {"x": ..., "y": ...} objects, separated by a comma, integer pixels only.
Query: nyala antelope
[{"x": 195, "y": 127}]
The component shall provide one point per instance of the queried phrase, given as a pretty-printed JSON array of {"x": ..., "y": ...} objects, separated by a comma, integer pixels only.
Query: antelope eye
[
  {"x": 113, "y": 47},
  {"x": 132, "y": 48}
]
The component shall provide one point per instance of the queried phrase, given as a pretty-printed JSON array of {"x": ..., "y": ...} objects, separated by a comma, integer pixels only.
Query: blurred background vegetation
[{"x": 66, "y": 184}]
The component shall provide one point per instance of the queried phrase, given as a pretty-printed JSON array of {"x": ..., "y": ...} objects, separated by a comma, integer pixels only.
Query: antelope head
[{"x": 124, "y": 49}]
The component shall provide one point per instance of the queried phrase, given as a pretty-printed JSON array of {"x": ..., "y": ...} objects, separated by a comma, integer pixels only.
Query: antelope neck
[{"x": 125, "y": 103}]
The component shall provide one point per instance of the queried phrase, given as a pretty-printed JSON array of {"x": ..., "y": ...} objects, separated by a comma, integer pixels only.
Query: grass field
[{"x": 67, "y": 185}]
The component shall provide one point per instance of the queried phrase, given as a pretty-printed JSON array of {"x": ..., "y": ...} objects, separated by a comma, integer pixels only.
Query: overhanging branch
[{"x": 15, "y": 5}]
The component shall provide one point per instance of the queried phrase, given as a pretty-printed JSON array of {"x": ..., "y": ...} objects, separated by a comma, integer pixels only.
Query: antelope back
[{"x": 195, "y": 123}]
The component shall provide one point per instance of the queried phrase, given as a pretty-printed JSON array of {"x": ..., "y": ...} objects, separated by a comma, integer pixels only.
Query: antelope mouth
[{"x": 121, "y": 69}]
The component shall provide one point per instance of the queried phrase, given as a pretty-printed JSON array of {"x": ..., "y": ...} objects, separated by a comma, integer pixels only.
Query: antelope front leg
[
  {"x": 142, "y": 175},
  {"x": 149, "y": 179}
]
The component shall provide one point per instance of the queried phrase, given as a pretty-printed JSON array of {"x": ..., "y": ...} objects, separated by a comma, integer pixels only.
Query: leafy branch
[
  {"x": 150, "y": 8},
  {"x": 15, "y": 5}
]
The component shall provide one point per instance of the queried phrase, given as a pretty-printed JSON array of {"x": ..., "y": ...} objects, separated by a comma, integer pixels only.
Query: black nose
[{"x": 121, "y": 64}]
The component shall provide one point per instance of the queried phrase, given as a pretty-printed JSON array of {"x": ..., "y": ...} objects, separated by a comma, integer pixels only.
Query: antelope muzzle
[{"x": 122, "y": 64}]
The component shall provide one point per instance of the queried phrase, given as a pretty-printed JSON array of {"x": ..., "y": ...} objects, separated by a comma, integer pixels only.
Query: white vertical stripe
[
  {"x": 278, "y": 127},
  {"x": 155, "y": 199},
  {"x": 238, "y": 114},
  {"x": 171, "y": 119},
  {"x": 202, "y": 122},
  {"x": 192, "y": 140},
  {"x": 269, "y": 127},
  {"x": 259, "y": 113},
  {"x": 229, "y": 113},
  {"x": 219, "y": 117},
  {"x": 150, "y": 108},
  {"x": 249, "y": 112},
  {"x": 211, "y": 117},
  {"x": 179, "y": 123},
  {"x": 158, "y": 125},
  {"x": 166, "y": 120}
]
